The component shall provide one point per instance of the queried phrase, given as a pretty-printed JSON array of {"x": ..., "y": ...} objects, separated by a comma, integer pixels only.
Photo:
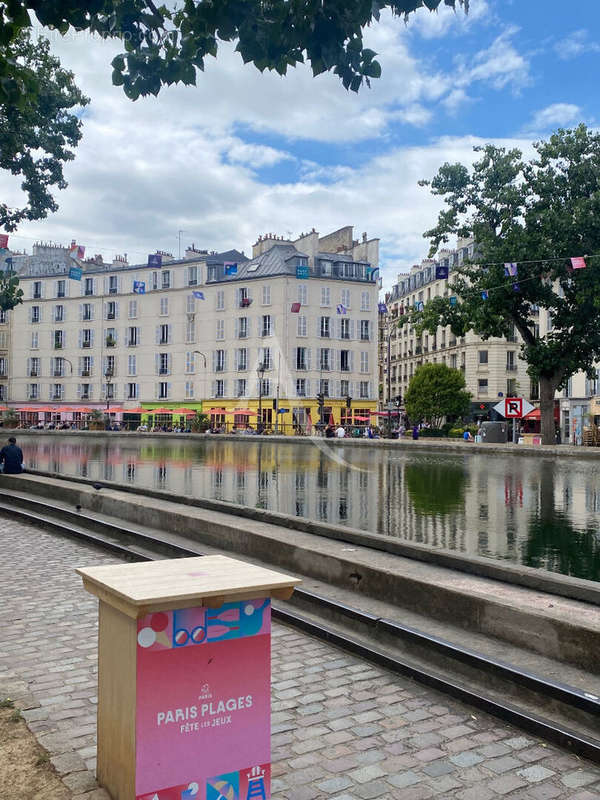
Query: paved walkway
[{"x": 342, "y": 729}]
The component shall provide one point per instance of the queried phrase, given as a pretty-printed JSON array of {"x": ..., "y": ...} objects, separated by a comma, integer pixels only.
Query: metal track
[{"x": 148, "y": 547}]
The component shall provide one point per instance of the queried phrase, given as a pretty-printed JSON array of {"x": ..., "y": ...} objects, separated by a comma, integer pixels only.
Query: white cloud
[
  {"x": 557, "y": 114},
  {"x": 255, "y": 155},
  {"x": 499, "y": 65},
  {"x": 434, "y": 25},
  {"x": 575, "y": 44}
]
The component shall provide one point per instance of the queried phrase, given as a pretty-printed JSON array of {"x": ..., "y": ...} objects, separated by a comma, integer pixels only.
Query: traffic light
[
  {"x": 348, "y": 402},
  {"x": 321, "y": 399},
  {"x": 398, "y": 400},
  {"x": 275, "y": 405}
]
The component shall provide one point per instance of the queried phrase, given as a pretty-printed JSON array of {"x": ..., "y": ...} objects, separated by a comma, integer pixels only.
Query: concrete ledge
[
  {"x": 425, "y": 445},
  {"x": 566, "y": 630},
  {"x": 531, "y": 577}
]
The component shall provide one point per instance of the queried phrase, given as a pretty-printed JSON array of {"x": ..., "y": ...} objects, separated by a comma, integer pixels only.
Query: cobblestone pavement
[{"x": 342, "y": 729}]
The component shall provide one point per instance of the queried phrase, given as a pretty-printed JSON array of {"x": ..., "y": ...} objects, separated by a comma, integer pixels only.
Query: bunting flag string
[
  {"x": 155, "y": 260},
  {"x": 382, "y": 308},
  {"x": 296, "y": 308},
  {"x": 510, "y": 269},
  {"x": 198, "y": 295},
  {"x": 3, "y": 241},
  {"x": 139, "y": 287},
  {"x": 341, "y": 309},
  {"x": 578, "y": 263},
  {"x": 231, "y": 267}
]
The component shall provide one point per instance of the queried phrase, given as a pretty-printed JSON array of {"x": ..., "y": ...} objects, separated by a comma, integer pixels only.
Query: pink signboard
[{"x": 204, "y": 703}]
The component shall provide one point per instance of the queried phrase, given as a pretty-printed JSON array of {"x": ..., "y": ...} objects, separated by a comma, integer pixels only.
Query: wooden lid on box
[{"x": 137, "y": 589}]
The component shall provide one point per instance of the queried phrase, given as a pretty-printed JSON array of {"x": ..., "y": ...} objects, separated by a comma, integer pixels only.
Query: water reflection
[{"x": 539, "y": 512}]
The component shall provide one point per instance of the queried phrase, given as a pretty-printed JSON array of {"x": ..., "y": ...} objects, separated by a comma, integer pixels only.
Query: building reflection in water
[{"x": 542, "y": 512}]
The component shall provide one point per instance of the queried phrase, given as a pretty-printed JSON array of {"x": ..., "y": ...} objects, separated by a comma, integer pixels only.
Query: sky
[{"x": 245, "y": 153}]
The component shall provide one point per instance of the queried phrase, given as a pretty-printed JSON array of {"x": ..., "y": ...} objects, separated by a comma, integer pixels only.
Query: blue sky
[{"x": 244, "y": 153}]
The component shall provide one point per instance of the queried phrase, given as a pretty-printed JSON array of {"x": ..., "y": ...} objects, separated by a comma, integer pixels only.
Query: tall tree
[
  {"x": 436, "y": 391},
  {"x": 168, "y": 44},
  {"x": 37, "y": 130},
  {"x": 538, "y": 214}
]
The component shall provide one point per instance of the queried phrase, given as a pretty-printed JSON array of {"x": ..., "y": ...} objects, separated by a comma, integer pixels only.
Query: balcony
[
  {"x": 326, "y": 335},
  {"x": 452, "y": 343},
  {"x": 58, "y": 345},
  {"x": 58, "y": 373},
  {"x": 165, "y": 371},
  {"x": 110, "y": 342},
  {"x": 245, "y": 302},
  {"x": 85, "y": 373},
  {"x": 511, "y": 367},
  {"x": 111, "y": 315},
  {"x": 32, "y": 397},
  {"x": 86, "y": 343},
  {"x": 418, "y": 350},
  {"x": 85, "y": 396},
  {"x": 34, "y": 373}
]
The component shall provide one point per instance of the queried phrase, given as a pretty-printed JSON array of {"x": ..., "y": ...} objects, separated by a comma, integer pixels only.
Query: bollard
[{"x": 184, "y": 677}]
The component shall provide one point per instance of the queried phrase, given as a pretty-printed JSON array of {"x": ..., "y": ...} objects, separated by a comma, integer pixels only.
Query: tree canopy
[
  {"x": 168, "y": 44},
  {"x": 436, "y": 391},
  {"x": 37, "y": 131},
  {"x": 537, "y": 214}
]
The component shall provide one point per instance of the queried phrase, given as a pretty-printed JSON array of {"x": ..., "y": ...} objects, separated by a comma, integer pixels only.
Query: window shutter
[
  {"x": 78, "y": 391},
  {"x": 138, "y": 335},
  {"x": 28, "y": 366},
  {"x": 214, "y": 389},
  {"x": 157, "y": 336},
  {"x": 169, "y": 339},
  {"x": 43, "y": 289},
  {"x": 116, "y": 310},
  {"x": 67, "y": 287},
  {"x": 92, "y": 365},
  {"x": 307, "y": 385},
  {"x": 80, "y": 338},
  {"x": 351, "y": 360},
  {"x": 225, "y": 361},
  {"x": 82, "y": 287},
  {"x": 237, "y": 327},
  {"x": 214, "y": 361},
  {"x": 308, "y": 358},
  {"x": 105, "y": 285},
  {"x": 31, "y": 310},
  {"x": 351, "y": 329},
  {"x": 92, "y": 337},
  {"x": 156, "y": 363},
  {"x": 169, "y": 389},
  {"x": 169, "y": 363}
]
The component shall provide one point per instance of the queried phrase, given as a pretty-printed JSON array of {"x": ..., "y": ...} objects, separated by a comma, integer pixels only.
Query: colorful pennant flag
[
  {"x": 155, "y": 260},
  {"x": 516, "y": 287},
  {"x": 3, "y": 240},
  {"x": 230, "y": 267},
  {"x": 441, "y": 272},
  {"x": 296, "y": 308},
  {"x": 198, "y": 295},
  {"x": 77, "y": 251},
  {"x": 341, "y": 309},
  {"x": 382, "y": 308},
  {"x": 484, "y": 294},
  {"x": 510, "y": 269},
  {"x": 75, "y": 273},
  {"x": 578, "y": 263},
  {"x": 453, "y": 301},
  {"x": 245, "y": 302},
  {"x": 139, "y": 287}
]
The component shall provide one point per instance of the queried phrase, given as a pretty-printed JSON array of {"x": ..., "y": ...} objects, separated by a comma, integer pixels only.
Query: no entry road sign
[{"x": 513, "y": 407}]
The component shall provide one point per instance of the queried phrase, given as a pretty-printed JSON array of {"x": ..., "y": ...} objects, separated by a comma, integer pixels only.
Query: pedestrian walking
[
  {"x": 340, "y": 432},
  {"x": 11, "y": 458}
]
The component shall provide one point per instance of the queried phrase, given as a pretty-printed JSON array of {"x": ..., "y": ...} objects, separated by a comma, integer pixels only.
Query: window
[
  {"x": 511, "y": 387},
  {"x": 192, "y": 276},
  {"x": 364, "y": 361},
  {"x": 110, "y": 391},
  {"x": 87, "y": 312},
  {"x": 534, "y": 391},
  {"x": 190, "y": 330},
  {"x": 325, "y": 296},
  {"x": 364, "y": 330},
  {"x": 219, "y": 388},
  {"x": 166, "y": 279},
  {"x": 264, "y": 387},
  {"x": 240, "y": 387},
  {"x": 190, "y": 304},
  {"x": 87, "y": 337},
  {"x": 345, "y": 298},
  {"x": 242, "y": 328},
  {"x": 511, "y": 365},
  {"x": 302, "y": 330},
  {"x": 265, "y": 357},
  {"x": 300, "y": 387},
  {"x": 190, "y": 362},
  {"x": 35, "y": 341},
  {"x": 363, "y": 390},
  {"x": 37, "y": 290},
  {"x": 344, "y": 329},
  {"x": 324, "y": 359},
  {"x": 220, "y": 329},
  {"x": 365, "y": 301},
  {"x": 61, "y": 288},
  {"x": 324, "y": 387},
  {"x": 34, "y": 391},
  {"x": 113, "y": 284},
  {"x": 131, "y": 391},
  {"x": 59, "y": 313},
  {"x": 266, "y": 295},
  {"x": 211, "y": 272},
  {"x": 111, "y": 310},
  {"x": 56, "y": 391},
  {"x": 267, "y": 326},
  {"x": 154, "y": 280},
  {"x": 133, "y": 337},
  {"x": 483, "y": 356},
  {"x": 242, "y": 359},
  {"x": 131, "y": 365},
  {"x": 59, "y": 340},
  {"x": 189, "y": 390},
  {"x": 345, "y": 360},
  {"x": 109, "y": 365},
  {"x": 163, "y": 334},
  {"x": 325, "y": 327},
  {"x": 220, "y": 300},
  {"x": 111, "y": 337},
  {"x": 164, "y": 306},
  {"x": 301, "y": 359},
  {"x": 345, "y": 388},
  {"x": 84, "y": 391},
  {"x": 34, "y": 368},
  {"x": 164, "y": 363},
  {"x": 303, "y": 294},
  {"x": 36, "y": 314},
  {"x": 163, "y": 390},
  {"x": 88, "y": 286},
  {"x": 219, "y": 360},
  {"x": 85, "y": 366},
  {"x": 482, "y": 386},
  {"x": 3, "y": 317},
  {"x": 132, "y": 311}
]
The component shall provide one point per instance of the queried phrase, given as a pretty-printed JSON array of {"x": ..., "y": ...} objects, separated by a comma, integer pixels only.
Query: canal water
[{"x": 542, "y": 512}]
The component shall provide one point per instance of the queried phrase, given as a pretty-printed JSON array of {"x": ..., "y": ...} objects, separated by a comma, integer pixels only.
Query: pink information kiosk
[{"x": 184, "y": 677}]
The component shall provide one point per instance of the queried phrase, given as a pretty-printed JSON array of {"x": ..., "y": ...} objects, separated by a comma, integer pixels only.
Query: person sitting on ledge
[{"x": 11, "y": 457}]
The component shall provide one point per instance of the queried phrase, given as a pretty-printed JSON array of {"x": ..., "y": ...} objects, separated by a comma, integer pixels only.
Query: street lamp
[
  {"x": 204, "y": 359},
  {"x": 108, "y": 375},
  {"x": 68, "y": 362},
  {"x": 260, "y": 371}
]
